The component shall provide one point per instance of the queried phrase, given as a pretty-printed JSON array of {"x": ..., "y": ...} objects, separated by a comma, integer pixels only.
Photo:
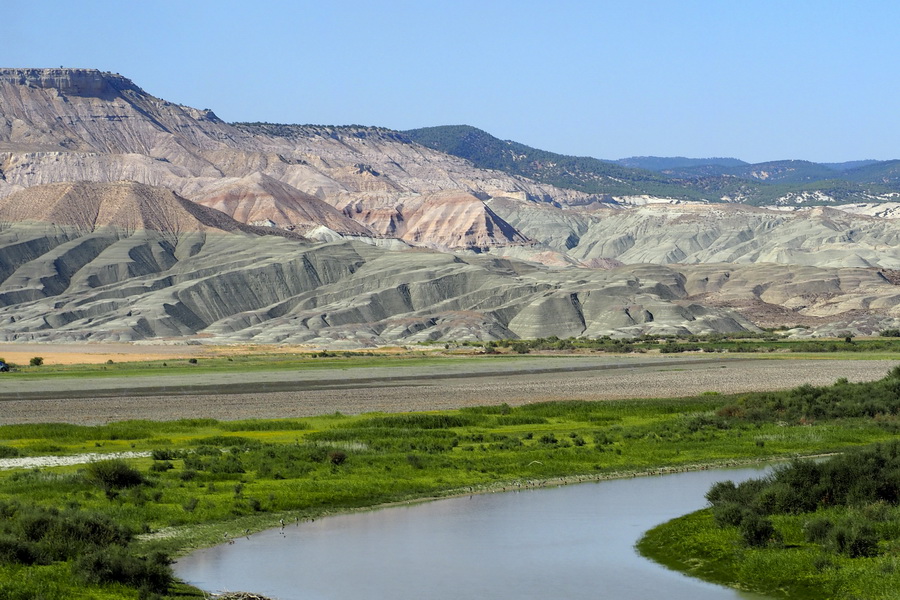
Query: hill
[
  {"x": 710, "y": 180},
  {"x": 124, "y": 217}
]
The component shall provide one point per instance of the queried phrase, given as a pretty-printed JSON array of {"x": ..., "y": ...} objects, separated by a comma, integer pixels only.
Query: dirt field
[
  {"x": 72, "y": 354},
  {"x": 391, "y": 389}
]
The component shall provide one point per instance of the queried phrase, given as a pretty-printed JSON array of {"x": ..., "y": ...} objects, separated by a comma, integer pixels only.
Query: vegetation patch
[{"x": 811, "y": 529}]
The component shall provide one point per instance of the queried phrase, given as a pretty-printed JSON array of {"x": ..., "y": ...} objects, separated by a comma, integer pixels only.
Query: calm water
[{"x": 570, "y": 543}]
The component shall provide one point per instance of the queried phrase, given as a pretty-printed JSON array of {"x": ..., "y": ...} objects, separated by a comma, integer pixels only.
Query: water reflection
[{"x": 571, "y": 542}]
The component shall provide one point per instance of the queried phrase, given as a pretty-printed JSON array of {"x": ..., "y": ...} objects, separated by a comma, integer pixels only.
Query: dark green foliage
[
  {"x": 854, "y": 537},
  {"x": 284, "y": 462},
  {"x": 868, "y": 478},
  {"x": 418, "y": 421},
  {"x": 9, "y": 452},
  {"x": 809, "y": 403},
  {"x": 36, "y": 535},
  {"x": 548, "y": 439},
  {"x": 856, "y": 478},
  {"x": 61, "y": 432},
  {"x": 729, "y": 514},
  {"x": 114, "y": 474},
  {"x": 36, "y": 361},
  {"x": 757, "y": 531},
  {"x": 161, "y": 466},
  {"x": 105, "y": 565},
  {"x": 215, "y": 463},
  {"x": 520, "y": 348},
  {"x": 818, "y": 529},
  {"x": 165, "y": 454}
]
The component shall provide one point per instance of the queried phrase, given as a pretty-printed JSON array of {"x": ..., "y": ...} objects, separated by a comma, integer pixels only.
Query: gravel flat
[{"x": 290, "y": 394}]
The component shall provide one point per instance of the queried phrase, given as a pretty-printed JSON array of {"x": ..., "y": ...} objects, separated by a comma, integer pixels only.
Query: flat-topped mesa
[{"x": 75, "y": 82}]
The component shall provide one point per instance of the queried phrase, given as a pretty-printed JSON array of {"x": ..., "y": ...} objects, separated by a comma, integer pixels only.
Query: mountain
[
  {"x": 709, "y": 180},
  {"x": 127, "y": 217},
  {"x": 61, "y": 125},
  {"x": 665, "y": 164},
  {"x": 584, "y": 174}
]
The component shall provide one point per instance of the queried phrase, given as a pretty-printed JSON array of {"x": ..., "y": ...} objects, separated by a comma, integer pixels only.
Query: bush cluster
[
  {"x": 809, "y": 403},
  {"x": 860, "y": 479},
  {"x": 99, "y": 547}
]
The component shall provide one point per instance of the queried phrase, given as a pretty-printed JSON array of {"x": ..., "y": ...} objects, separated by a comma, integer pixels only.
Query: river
[{"x": 571, "y": 542}]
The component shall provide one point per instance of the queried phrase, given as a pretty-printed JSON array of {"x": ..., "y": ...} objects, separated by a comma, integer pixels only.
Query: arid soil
[
  {"x": 394, "y": 389},
  {"x": 72, "y": 354}
]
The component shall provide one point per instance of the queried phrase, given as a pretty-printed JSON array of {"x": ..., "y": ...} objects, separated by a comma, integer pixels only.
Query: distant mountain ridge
[
  {"x": 667, "y": 163},
  {"x": 697, "y": 179}
]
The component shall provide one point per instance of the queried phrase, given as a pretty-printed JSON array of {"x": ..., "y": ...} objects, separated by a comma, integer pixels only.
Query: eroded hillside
[{"x": 124, "y": 217}]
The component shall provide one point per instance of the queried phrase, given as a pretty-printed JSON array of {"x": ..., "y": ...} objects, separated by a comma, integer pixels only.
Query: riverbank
[
  {"x": 208, "y": 477},
  {"x": 808, "y": 531}
]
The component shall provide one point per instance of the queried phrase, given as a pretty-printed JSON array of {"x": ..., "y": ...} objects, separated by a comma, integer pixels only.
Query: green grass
[{"x": 214, "y": 477}]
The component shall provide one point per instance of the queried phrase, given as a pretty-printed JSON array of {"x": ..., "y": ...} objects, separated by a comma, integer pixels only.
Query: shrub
[
  {"x": 16, "y": 551},
  {"x": 36, "y": 361},
  {"x": 817, "y": 529},
  {"x": 757, "y": 531},
  {"x": 164, "y": 454},
  {"x": 855, "y": 539},
  {"x": 188, "y": 475},
  {"x": 730, "y": 514},
  {"x": 161, "y": 466},
  {"x": 722, "y": 491},
  {"x": 8, "y": 452},
  {"x": 114, "y": 474},
  {"x": 111, "y": 566}
]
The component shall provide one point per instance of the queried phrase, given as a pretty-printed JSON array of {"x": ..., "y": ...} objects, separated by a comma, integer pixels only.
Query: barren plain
[{"x": 448, "y": 383}]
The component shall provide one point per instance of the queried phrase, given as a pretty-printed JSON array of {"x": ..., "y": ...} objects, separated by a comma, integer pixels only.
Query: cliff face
[
  {"x": 74, "y": 82},
  {"x": 82, "y": 125}
]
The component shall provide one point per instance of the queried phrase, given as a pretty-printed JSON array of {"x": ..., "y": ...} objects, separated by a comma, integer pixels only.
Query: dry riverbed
[{"x": 287, "y": 394}]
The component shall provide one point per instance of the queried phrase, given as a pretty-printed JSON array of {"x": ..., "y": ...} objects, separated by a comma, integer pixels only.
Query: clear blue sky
[{"x": 754, "y": 79}]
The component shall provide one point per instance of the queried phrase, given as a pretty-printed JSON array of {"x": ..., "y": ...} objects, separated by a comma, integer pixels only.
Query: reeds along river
[{"x": 569, "y": 542}]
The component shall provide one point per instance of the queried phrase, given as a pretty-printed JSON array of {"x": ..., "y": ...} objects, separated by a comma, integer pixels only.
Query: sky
[{"x": 757, "y": 80}]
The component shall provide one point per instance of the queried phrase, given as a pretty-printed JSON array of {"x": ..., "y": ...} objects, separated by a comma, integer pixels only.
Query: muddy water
[{"x": 573, "y": 542}]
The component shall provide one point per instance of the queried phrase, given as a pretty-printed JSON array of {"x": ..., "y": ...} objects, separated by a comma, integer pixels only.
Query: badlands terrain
[{"x": 124, "y": 217}]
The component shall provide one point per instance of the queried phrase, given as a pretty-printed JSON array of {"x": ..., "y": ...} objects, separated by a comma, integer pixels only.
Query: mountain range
[
  {"x": 127, "y": 217},
  {"x": 779, "y": 183}
]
